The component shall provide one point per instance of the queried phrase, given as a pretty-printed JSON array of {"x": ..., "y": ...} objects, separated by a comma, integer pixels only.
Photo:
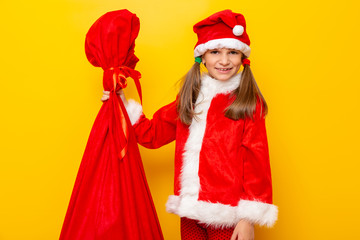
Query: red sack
[{"x": 111, "y": 199}]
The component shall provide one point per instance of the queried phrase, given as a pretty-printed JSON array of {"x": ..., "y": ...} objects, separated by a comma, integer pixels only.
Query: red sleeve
[
  {"x": 158, "y": 131},
  {"x": 257, "y": 173}
]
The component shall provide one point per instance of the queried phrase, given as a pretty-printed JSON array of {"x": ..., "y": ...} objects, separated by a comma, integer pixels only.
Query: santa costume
[{"x": 222, "y": 169}]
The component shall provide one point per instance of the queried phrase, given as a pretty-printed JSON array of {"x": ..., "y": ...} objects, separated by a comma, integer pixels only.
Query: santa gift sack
[{"x": 111, "y": 198}]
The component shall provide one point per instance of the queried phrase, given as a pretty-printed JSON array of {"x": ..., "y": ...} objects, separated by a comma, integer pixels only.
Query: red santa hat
[{"x": 223, "y": 29}]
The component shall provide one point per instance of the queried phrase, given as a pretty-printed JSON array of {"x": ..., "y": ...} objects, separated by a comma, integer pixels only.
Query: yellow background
[{"x": 305, "y": 57}]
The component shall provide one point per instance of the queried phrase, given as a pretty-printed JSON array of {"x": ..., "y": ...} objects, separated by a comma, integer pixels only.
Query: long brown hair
[
  {"x": 188, "y": 94},
  {"x": 244, "y": 105},
  {"x": 247, "y": 95}
]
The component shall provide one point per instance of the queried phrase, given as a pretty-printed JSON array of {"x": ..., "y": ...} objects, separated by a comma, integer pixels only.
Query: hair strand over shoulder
[
  {"x": 246, "y": 97},
  {"x": 188, "y": 94}
]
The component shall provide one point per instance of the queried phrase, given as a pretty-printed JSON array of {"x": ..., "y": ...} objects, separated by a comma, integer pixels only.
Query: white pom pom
[{"x": 238, "y": 30}]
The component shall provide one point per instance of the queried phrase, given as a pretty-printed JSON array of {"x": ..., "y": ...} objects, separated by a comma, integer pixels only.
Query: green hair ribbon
[{"x": 198, "y": 60}]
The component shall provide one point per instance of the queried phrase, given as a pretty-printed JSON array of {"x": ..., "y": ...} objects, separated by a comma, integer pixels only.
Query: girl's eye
[
  {"x": 214, "y": 52},
  {"x": 234, "y": 52}
]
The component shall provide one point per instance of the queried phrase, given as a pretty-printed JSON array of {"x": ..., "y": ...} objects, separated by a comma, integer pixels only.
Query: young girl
[{"x": 222, "y": 171}]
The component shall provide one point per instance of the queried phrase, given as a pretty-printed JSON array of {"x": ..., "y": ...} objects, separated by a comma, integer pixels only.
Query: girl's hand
[
  {"x": 244, "y": 230},
  {"x": 106, "y": 96}
]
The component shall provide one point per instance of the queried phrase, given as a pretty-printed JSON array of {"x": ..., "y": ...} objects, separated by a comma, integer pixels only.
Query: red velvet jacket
[{"x": 222, "y": 169}]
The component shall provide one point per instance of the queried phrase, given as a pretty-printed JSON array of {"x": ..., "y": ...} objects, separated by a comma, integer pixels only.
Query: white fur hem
[
  {"x": 222, "y": 43},
  {"x": 134, "y": 111},
  {"x": 221, "y": 215}
]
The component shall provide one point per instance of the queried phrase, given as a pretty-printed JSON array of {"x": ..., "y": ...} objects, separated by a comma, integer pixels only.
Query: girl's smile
[
  {"x": 223, "y": 70},
  {"x": 223, "y": 63}
]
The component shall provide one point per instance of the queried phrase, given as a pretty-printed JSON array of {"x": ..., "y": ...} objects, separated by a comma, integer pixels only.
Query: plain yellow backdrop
[{"x": 305, "y": 57}]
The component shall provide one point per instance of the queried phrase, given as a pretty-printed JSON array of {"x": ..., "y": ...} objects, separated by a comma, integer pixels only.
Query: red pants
[{"x": 193, "y": 230}]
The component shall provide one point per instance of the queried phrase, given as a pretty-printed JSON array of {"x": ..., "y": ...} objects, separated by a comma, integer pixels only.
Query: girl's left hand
[
  {"x": 106, "y": 96},
  {"x": 244, "y": 230}
]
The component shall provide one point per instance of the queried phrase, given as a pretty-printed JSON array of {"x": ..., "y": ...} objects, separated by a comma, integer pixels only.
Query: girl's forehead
[
  {"x": 229, "y": 49},
  {"x": 223, "y": 49}
]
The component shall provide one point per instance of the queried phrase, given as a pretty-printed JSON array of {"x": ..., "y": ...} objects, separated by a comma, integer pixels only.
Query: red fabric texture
[
  {"x": 111, "y": 199},
  {"x": 193, "y": 230},
  {"x": 219, "y": 26},
  {"x": 234, "y": 158}
]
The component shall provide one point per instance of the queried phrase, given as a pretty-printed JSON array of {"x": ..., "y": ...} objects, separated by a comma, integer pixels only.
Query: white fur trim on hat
[{"x": 222, "y": 43}]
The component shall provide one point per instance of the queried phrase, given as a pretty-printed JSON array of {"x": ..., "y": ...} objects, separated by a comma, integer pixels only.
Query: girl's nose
[{"x": 224, "y": 59}]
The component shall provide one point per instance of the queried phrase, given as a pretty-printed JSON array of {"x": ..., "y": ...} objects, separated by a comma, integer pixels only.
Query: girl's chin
[{"x": 222, "y": 76}]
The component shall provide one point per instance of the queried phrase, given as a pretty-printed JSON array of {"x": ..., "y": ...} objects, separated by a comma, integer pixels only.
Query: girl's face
[{"x": 222, "y": 63}]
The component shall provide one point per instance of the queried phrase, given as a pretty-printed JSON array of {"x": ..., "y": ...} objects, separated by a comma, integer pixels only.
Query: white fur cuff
[
  {"x": 134, "y": 111},
  {"x": 257, "y": 212}
]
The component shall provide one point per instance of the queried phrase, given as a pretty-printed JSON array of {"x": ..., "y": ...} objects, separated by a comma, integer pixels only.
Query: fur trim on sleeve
[{"x": 134, "y": 111}]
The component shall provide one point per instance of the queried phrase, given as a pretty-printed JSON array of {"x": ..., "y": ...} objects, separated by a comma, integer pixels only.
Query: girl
[{"x": 222, "y": 171}]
